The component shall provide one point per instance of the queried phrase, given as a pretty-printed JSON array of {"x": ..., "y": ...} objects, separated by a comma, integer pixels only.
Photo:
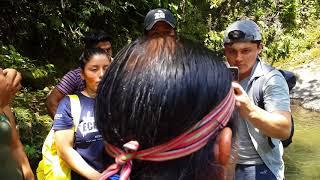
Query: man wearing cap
[
  {"x": 256, "y": 158},
  {"x": 159, "y": 22}
]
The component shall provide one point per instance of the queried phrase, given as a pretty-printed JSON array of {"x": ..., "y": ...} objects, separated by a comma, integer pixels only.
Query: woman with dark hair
[
  {"x": 83, "y": 149},
  {"x": 165, "y": 106}
]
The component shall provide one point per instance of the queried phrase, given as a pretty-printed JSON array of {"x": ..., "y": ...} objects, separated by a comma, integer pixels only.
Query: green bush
[
  {"x": 289, "y": 48},
  {"x": 36, "y": 75},
  {"x": 33, "y": 122}
]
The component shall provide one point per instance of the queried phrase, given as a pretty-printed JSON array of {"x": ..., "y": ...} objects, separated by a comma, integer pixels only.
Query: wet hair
[
  {"x": 87, "y": 55},
  {"x": 93, "y": 38},
  {"x": 155, "y": 90}
]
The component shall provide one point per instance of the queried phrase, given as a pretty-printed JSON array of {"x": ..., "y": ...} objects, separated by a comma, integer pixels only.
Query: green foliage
[
  {"x": 215, "y": 3},
  {"x": 53, "y": 30},
  {"x": 214, "y": 41},
  {"x": 33, "y": 122},
  {"x": 33, "y": 75},
  {"x": 287, "y": 47},
  {"x": 191, "y": 22},
  {"x": 288, "y": 14},
  {"x": 11, "y": 58}
]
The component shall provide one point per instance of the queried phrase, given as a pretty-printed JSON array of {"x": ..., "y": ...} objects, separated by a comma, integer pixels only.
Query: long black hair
[
  {"x": 87, "y": 54},
  {"x": 155, "y": 90}
]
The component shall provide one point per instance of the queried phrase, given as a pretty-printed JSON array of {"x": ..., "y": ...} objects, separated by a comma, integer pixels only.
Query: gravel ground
[{"x": 307, "y": 90}]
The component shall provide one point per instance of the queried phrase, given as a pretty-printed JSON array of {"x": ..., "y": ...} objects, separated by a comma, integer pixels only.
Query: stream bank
[{"x": 307, "y": 90}]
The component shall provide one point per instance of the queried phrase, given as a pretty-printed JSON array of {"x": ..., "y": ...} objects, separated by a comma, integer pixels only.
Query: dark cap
[
  {"x": 157, "y": 15},
  {"x": 243, "y": 30}
]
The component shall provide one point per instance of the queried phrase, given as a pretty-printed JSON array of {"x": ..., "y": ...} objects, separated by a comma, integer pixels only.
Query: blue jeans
[{"x": 253, "y": 172}]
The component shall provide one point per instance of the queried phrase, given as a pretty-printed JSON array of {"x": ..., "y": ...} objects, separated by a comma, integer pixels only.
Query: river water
[{"x": 302, "y": 157}]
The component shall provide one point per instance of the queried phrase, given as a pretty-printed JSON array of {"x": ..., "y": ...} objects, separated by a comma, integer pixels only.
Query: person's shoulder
[
  {"x": 271, "y": 74},
  {"x": 74, "y": 72},
  {"x": 71, "y": 82},
  {"x": 79, "y": 95},
  {"x": 85, "y": 99},
  {"x": 63, "y": 109},
  {"x": 275, "y": 74},
  {"x": 65, "y": 100},
  {"x": 269, "y": 71},
  {"x": 275, "y": 79}
]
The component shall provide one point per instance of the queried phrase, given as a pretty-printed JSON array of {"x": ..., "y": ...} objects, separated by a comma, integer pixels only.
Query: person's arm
[
  {"x": 275, "y": 124},
  {"x": 69, "y": 83},
  {"x": 16, "y": 147},
  {"x": 53, "y": 100},
  {"x": 9, "y": 84},
  {"x": 64, "y": 142},
  {"x": 64, "y": 137}
]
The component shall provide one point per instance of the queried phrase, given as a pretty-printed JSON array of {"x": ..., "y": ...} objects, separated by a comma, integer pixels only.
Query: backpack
[
  {"x": 258, "y": 95},
  {"x": 52, "y": 167}
]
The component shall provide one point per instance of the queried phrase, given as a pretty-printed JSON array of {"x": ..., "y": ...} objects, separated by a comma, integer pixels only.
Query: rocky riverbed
[{"x": 307, "y": 90}]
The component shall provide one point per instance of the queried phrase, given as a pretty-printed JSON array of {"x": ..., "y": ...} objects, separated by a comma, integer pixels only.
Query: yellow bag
[{"x": 52, "y": 167}]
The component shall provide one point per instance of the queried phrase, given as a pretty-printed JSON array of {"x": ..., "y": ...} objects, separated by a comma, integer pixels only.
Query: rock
[{"x": 307, "y": 90}]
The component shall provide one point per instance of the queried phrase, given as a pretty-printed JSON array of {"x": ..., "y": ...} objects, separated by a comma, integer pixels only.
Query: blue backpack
[{"x": 258, "y": 95}]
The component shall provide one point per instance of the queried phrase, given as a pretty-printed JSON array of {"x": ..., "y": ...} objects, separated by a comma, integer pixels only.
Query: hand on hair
[{"x": 9, "y": 85}]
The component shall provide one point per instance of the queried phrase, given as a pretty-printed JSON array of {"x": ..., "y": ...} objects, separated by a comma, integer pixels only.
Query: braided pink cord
[{"x": 185, "y": 144}]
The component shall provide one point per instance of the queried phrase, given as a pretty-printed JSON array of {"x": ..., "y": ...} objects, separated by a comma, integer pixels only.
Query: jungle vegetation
[{"x": 43, "y": 39}]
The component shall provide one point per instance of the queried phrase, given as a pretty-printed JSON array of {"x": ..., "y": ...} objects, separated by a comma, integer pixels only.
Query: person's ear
[
  {"x": 222, "y": 146},
  {"x": 260, "y": 47},
  {"x": 224, "y": 49}
]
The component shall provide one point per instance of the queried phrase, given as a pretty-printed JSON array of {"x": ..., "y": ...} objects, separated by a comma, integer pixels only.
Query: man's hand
[
  {"x": 9, "y": 85},
  {"x": 243, "y": 101},
  {"x": 13, "y": 78},
  {"x": 276, "y": 124}
]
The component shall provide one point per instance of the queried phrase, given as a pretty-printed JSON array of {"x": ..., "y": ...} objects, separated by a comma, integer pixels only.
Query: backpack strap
[
  {"x": 75, "y": 110},
  {"x": 257, "y": 85}
]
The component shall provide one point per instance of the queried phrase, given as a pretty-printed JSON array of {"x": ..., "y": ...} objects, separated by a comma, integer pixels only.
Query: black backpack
[{"x": 258, "y": 95}]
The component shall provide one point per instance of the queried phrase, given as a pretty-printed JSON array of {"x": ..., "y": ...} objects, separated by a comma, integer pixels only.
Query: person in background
[
  {"x": 159, "y": 22},
  {"x": 165, "y": 109},
  {"x": 84, "y": 150},
  {"x": 256, "y": 158},
  {"x": 13, "y": 157},
  {"x": 71, "y": 82}
]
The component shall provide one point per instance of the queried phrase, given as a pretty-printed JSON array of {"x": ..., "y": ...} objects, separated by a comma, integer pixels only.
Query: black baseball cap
[{"x": 157, "y": 15}]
